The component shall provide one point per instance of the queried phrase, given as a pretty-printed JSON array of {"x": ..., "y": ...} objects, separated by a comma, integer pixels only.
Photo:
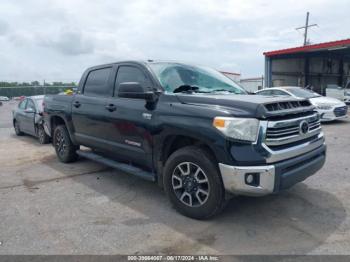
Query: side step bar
[{"x": 117, "y": 165}]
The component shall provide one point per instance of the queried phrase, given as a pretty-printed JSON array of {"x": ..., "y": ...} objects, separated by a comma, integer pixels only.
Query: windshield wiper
[
  {"x": 225, "y": 90},
  {"x": 188, "y": 89}
]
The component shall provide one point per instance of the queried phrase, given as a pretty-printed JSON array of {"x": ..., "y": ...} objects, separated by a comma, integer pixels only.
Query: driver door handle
[{"x": 111, "y": 107}]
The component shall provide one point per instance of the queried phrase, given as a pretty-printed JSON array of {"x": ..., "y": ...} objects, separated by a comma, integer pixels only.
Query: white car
[
  {"x": 347, "y": 96},
  {"x": 329, "y": 108},
  {"x": 4, "y": 98}
]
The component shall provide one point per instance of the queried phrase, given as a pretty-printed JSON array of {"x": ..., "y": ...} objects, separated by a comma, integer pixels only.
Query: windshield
[
  {"x": 304, "y": 93},
  {"x": 179, "y": 77}
]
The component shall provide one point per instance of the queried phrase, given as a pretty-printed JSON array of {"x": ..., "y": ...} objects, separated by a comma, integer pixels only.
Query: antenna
[{"x": 306, "y": 42}]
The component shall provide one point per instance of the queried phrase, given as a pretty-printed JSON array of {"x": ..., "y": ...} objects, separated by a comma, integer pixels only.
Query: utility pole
[{"x": 306, "y": 28}]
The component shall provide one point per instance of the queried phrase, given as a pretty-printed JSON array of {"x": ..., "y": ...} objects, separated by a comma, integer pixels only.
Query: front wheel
[
  {"x": 193, "y": 183},
  {"x": 65, "y": 149}
]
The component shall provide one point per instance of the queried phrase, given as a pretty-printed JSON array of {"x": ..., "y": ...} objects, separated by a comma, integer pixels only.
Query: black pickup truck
[{"x": 191, "y": 129}]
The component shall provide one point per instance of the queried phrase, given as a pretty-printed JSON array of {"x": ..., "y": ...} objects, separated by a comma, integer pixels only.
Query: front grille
[
  {"x": 278, "y": 106},
  {"x": 340, "y": 111},
  {"x": 283, "y": 133}
]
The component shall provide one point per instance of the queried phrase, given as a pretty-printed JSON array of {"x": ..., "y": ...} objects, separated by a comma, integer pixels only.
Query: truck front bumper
[{"x": 263, "y": 180}]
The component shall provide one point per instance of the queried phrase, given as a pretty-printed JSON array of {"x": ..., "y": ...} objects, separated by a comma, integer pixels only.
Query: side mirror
[
  {"x": 29, "y": 110},
  {"x": 135, "y": 90}
]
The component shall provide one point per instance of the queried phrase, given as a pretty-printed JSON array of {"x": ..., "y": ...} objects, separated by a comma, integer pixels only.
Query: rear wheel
[
  {"x": 193, "y": 184},
  {"x": 42, "y": 136},
  {"x": 65, "y": 149},
  {"x": 18, "y": 129}
]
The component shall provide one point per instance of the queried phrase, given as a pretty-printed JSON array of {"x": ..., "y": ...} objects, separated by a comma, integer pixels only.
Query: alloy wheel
[
  {"x": 60, "y": 143},
  {"x": 190, "y": 184},
  {"x": 41, "y": 134}
]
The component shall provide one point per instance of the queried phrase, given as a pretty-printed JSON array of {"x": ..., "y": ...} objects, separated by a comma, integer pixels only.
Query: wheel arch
[
  {"x": 174, "y": 142},
  {"x": 57, "y": 120}
]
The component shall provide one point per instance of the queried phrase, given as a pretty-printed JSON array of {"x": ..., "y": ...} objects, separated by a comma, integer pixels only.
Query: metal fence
[{"x": 31, "y": 90}]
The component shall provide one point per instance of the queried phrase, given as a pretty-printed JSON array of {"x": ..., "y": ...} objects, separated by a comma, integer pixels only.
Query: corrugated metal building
[{"x": 318, "y": 65}]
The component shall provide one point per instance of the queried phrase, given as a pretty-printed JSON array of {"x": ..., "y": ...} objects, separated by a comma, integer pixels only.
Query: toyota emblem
[{"x": 304, "y": 127}]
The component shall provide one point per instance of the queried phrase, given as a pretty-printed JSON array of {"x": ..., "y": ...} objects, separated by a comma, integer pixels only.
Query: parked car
[
  {"x": 28, "y": 118},
  {"x": 329, "y": 108},
  {"x": 18, "y": 98},
  {"x": 347, "y": 94},
  {"x": 347, "y": 97},
  {"x": 4, "y": 98},
  {"x": 190, "y": 128}
]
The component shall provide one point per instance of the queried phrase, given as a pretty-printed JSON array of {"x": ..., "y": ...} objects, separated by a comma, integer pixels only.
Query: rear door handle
[
  {"x": 76, "y": 104},
  {"x": 111, "y": 107}
]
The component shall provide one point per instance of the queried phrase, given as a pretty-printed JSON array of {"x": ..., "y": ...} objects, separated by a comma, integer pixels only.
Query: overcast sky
[{"x": 57, "y": 40}]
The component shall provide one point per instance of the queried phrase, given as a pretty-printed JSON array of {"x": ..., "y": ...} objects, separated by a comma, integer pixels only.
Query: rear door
[
  {"x": 89, "y": 107},
  {"x": 129, "y": 126}
]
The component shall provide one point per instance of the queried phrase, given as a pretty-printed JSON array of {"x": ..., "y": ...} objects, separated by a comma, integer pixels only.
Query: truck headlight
[{"x": 245, "y": 129}]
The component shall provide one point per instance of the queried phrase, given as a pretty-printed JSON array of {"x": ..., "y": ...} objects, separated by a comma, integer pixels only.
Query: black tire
[
  {"x": 65, "y": 149},
  {"x": 199, "y": 205},
  {"x": 17, "y": 128},
  {"x": 42, "y": 136}
]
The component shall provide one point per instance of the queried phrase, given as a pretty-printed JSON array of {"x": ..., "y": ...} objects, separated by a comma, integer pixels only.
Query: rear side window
[
  {"x": 131, "y": 74},
  {"x": 97, "y": 83},
  {"x": 22, "y": 105}
]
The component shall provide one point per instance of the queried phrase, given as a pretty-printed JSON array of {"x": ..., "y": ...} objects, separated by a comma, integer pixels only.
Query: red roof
[{"x": 307, "y": 48}]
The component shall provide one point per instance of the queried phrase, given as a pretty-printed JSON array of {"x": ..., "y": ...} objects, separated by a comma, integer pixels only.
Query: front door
[
  {"x": 129, "y": 130},
  {"x": 29, "y": 117}
]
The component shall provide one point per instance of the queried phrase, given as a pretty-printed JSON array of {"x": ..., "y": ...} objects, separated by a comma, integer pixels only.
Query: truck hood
[{"x": 249, "y": 105}]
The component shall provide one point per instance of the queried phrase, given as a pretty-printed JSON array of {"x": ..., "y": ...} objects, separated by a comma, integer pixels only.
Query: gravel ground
[{"x": 85, "y": 208}]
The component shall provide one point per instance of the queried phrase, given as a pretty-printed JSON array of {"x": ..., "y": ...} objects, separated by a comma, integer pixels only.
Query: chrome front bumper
[
  {"x": 274, "y": 177},
  {"x": 234, "y": 179},
  {"x": 289, "y": 156}
]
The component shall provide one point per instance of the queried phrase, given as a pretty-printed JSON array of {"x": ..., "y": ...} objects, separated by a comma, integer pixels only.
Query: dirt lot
[{"x": 85, "y": 208}]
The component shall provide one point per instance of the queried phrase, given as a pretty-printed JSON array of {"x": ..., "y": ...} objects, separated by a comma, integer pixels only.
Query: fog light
[
  {"x": 252, "y": 179},
  {"x": 249, "y": 179}
]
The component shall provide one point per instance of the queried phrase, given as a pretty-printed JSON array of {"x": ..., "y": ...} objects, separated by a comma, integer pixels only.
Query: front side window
[
  {"x": 131, "y": 74},
  {"x": 97, "y": 83},
  {"x": 174, "y": 77}
]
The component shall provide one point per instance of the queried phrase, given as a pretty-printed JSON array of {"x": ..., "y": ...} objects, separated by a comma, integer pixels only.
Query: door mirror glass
[{"x": 135, "y": 90}]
